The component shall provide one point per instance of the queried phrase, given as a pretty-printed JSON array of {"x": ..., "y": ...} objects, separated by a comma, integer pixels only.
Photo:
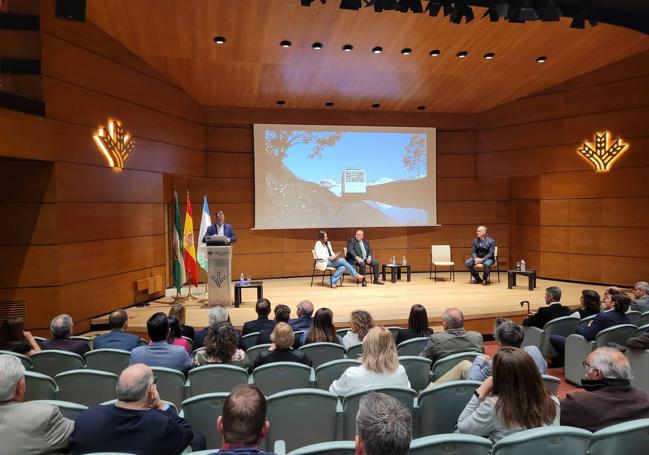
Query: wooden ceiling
[{"x": 252, "y": 70}]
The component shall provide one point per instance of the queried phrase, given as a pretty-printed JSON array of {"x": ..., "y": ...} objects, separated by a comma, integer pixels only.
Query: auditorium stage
[{"x": 389, "y": 304}]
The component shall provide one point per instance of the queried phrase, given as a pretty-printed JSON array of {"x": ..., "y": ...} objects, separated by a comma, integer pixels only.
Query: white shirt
[
  {"x": 220, "y": 229},
  {"x": 359, "y": 378},
  {"x": 350, "y": 339}
]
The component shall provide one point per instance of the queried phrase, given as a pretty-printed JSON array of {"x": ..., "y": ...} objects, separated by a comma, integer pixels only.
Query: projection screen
[{"x": 310, "y": 176}]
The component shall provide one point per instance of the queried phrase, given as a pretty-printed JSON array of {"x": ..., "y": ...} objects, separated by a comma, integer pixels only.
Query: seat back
[
  {"x": 87, "y": 387},
  {"x": 355, "y": 351},
  {"x": 617, "y": 334},
  {"x": 642, "y": 329},
  {"x": 458, "y": 444},
  {"x": 170, "y": 384},
  {"x": 563, "y": 326},
  {"x": 202, "y": 411},
  {"x": 628, "y": 438},
  {"x": 350, "y": 405},
  {"x": 294, "y": 420},
  {"x": 577, "y": 349},
  {"x": 27, "y": 363},
  {"x": 634, "y": 317},
  {"x": 320, "y": 353},
  {"x": 585, "y": 321},
  {"x": 412, "y": 346},
  {"x": 249, "y": 340},
  {"x": 418, "y": 370},
  {"x": 441, "y": 405},
  {"x": 40, "y": 387},
  {"x": 639, "y": 361},
  {"x": 68, "y": 410},
  {"x": 328, "y": 372},
  {"x": 327, "y": 448},
  {"x": 342, "y": 332},
  {"x": 215, "y": 378},
  {"x": 111, "y": 360},
  {"x": 189, "y": 341},
  {"x": 551, "y": 383},
  {"x": 644, "y": 319},
  {"x": 53, "y": 362},
  {"x": 254, "y": 352},
  {"x": 279, "y": 376},
  {"x": 394, "y": 331},
  {"x": 446, "y": 363},
  {"x": 440, "y": 253},
  {"x": 551, "y": 440}
]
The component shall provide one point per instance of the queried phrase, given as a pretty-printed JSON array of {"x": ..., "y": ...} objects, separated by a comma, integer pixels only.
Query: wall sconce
[
  {"x": 116, "y": 146},
  {"x": 602, "y": 155}
]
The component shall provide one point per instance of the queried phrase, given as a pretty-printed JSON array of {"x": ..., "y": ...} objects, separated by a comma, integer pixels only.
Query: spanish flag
[{"x": 188, "y": 243}]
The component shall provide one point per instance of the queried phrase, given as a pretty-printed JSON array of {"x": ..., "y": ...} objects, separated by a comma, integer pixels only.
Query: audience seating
[
  {"x": 441, "y": 405},
  {"x": 189, "y": 341},
  {"x": 550, "y": 440},
  {"x": 642, "y": 329},
  {"x": 53, "y": 362},
  {"x": 634, "y": 317},
  {"x": 215, "y": 378},
  {"x": 39, "y": 386},
  {"x": 644, "y": 319},
  {"x": 249, "y": 340},
  {"x": 639, "y": 361},
  {"x": 552, "y": 383},
  {"x": 170, "y": 384},
  {"x": 39, "y": 340},
  {"x": 201, "y": 411},
  {"x": 412, "y": 346},
  {"x": 494, "y": 268},
  {"x": 302, "y": 417},
  {"x": 394, "y": 331},
  {"x": 628, "y": 438},
  {"x": 87, "y": 387},
  {"x": 418, "y": 371},
  {"x": 69, "y": 409},
  {"x": 328, "y": 372},
  {"x": 585, "y": 321},
  {"x": 446, "y": 363},
  {"x": 298, "y": 336},
  {"x": 280, "y": 376},
  {"x": 111, "y": 360},
  {"x": 254, "y": 352},
  {"x": 320, "y": 353},
  {"x": 440, "y": 256},
  {"x": 355, "y": 351},
  {"x": 443, "y": 444},
  {"x": 326, "y": 448},
  {"x": 342, "y": 332},
  {"x": 540, "y": 338},
  {"x": 27, "y": 363}
]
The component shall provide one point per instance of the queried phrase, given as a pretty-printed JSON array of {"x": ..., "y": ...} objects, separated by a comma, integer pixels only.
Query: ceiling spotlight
[
  {"x": 280, "y": 102},
  {"x": 285, "y": 43},
  {"x": 329, "y": 103},
  {"x": 317, "y": 45},
  {"x": 377, "y": 50},
  {"x": 376, "y": 106},
  {"x": 489, "y": 56},
  {"x": 421, "y": 108},
  {"x": 549, "y": 12},
  {"x": 348, "y": 47},
  {"x": 462, "y": 54},
  {"x": 219, "y": 39},
  {"x": 541, "y": 59},
  {"x": 498, "y": 9},
  {"x": 350, "y": 4},
  {"x": 435, "y": 53},
  {"x": 406, "y": 51}
]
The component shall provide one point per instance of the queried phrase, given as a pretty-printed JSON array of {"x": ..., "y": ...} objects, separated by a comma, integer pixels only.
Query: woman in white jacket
[{"x": 327, "y": 258}]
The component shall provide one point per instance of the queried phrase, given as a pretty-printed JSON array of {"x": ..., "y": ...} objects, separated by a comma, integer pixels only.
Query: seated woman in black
[
  {"x": 417, "y": 325},
  {"x": 590, "y": 304},
  {"x": 281, "y": 350}
]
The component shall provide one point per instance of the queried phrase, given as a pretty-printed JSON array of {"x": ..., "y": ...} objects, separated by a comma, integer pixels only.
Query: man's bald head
[
  {"x": 453, "y": 319},
  {"x": 134, "y": 383},
  {"x": 117, "y": 320},
  {"x": 608, "y": 363},
  {"x": 305, "y": 309}
]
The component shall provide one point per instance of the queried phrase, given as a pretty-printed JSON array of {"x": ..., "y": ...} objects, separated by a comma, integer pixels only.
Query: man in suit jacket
[
  {"x": 117, "y": 338},
  {"x": 262, "y": 322},
  {"x": 453, "y": 339},
  {"x": 61, "y": 328},
  {"x": 27, "y": 427},
  {"x": 553, "y": 310},
  {"x": 359, "y": 252},
  {"x": 160, "y": 353},
  {"x": 641, "y": 297},
  {"x": 140, "y": 422},
  {"x": 482, "y": 252},
  {"x": 303, "y": 320},
  {"x": 221, "y": 228}
]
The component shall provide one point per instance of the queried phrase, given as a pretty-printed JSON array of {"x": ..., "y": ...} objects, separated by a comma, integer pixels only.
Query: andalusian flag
[
  {"x": 190, "y": 251},
  {"x": 202, "y": 246},
  {"x": 177, "y": 249}
]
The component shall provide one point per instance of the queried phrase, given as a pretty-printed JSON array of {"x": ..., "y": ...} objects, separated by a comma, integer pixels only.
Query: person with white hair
[
  {"x": 62, "y": 327},
  {"x": 640, "y": 300},
  {"x": 608, "y": 397},
  {"x": 215, "y": 315},
  {"x": 27, "y": 427}
]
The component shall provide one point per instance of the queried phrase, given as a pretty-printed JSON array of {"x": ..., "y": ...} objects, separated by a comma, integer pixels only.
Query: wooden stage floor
[{"x": 389, "y": 304}]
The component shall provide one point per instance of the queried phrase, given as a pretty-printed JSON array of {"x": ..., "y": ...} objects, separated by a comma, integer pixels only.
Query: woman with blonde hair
[
  {"x": 282, "y": 348},
  {"x": 379, "y": 366},
  {"x": 361, "y": 322}
]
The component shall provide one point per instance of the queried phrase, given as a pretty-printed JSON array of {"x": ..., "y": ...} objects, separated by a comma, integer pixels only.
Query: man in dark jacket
[
  {"x": 262, "y": 322},
  {"x": 117, "y": 338},
  {"x": 483, "y": 252},
  {"x": 553, "y": 310},
  {"x": 359, "y": 252},
  {"x": 61, "y": 328}
]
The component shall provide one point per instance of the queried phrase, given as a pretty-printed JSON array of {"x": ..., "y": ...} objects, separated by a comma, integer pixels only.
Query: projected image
[{"x": 343, "y": 178}]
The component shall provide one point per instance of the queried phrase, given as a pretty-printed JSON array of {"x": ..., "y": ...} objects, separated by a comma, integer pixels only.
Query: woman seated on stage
[
  {"x": 417, "y": 325},
  {"x": 176, "y": 334},
  {"x": 327, "y": 258},
  {"x": 361, "y": 323},
  {"x": 322, "y": 329},
  {"x": 221, "y": 347},
  {"x": 590, "y": 304},
  {"x": 513, "y": 399},
  {"x": 14, "y": 338},
  {"x": 282, "y": 348},
  {"x": 379, "y": 366}
]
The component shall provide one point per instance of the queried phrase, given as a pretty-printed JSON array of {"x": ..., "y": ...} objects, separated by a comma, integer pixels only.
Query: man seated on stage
[
  {"x": 482, "y": 253},
  {"x": 61, "y": 328},
  {"x": 262, "y": 308},
  {"x": 117, "y": 338},
  {"x": 453, "y": 339},
  {"x": 359, "y": 252},
  {"x": 221, "y": 228}
]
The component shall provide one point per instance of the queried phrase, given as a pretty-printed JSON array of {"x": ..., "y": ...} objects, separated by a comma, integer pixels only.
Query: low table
[
  {"x": 238, "y": 286},
  {"x": 531, "y": 276},
  {"x": 395, "y": 271}
]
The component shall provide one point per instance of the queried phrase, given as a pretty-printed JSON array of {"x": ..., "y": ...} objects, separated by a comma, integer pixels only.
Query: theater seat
[
  {"x": 458, "y": 444},
  {"x": 551, "y": 440}
]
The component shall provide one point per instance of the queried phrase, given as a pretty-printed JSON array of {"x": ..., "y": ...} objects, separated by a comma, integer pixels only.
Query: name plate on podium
[{"x": 219, "y": 266}]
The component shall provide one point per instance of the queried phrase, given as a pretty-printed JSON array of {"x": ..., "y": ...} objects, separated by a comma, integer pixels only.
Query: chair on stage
[
  {"x": 440, "y": 256},
  {"x": 322, "y": 266},
  {"x": 495, "y": 267}
]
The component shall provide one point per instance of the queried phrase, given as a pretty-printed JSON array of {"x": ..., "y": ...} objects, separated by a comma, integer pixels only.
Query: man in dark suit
[
  {"x": 359, "y": 252},
  {"x": 553, "y": 310},
  {"x": 304, "y": 319},
  {"x": 482, "y": 252},
  {"x": 262, "y": 322},
  {"x": 282, "y": 314},
  {"x": 117, "y": 338},
  {"x": 61, "y": 328},
  {"x": 221, "y": 228}
]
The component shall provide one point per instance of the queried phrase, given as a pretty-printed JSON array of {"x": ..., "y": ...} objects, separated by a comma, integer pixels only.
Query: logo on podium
[{"x": 218, "y": 278}]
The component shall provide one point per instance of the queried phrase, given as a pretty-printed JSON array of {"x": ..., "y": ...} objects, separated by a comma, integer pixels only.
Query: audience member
[
  {"x": 215, "y": 316},
  {"x": 140, "y": 422},
  {"x": 453, "y": 339},
  {"x": 117, "y": 338},
  {"x": 282, "y": 348},
  {"x": 27, "y": 427},
  {"x": 160, "y": 353},
  {"x": 514, "y": 398},
  {"x": 553, "y": 310},
  {"x": 178, "y": 310},
  {"x": 175, "y": 336},
  {"x": 262, "y": 308},
  {"x": 303, "y": 320},
  {"x": 379, "y": 366},
  {"x": 322, "y": 330},
  {"x": 282, "y": 314},
  {"x": 641, "y": 297},
  {"x": 383, "y": 426},
  {"x": 221, "y": 347},
  {"x": 590, "y": 304},
  {"x": 243, "y": 424},
  {"x": 608, "y": 397},
  {"x": 360, "y": 323},
  {"x": 417, "y": 325},
  {"x": 639, "y": 342},
  {"x": 61, "y": 328},
  {"x": 14, "y": 338}
]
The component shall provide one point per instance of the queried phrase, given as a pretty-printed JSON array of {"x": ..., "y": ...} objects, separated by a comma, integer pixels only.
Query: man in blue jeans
[{"x": 482, "y": 253}]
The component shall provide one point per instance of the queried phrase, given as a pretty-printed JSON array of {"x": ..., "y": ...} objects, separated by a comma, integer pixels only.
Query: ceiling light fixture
[
  {"x": 541, "y": 59},
  {"x": 462, "y": 54},
  {"x": 348, "y": 48},
  {"x": 406, "y": 51},
  {"x": 329, "y": 103},
  {"x": 489, "y": 56},
  {"x": 421, "y": 108},
  {"x": 435, "y": 53},
  {"x": 285, "y": 43},
  {"x": 317, "y": 45},
  {"x": 280, "y": 102},
  {"x": 376, "y": 106},
  {"x": 377, "y": 50},
  {"x": 219, "y": 39}
]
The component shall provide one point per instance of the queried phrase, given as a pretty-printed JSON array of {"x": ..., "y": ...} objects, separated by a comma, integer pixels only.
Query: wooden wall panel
[
  {"x": 41, "y": 303},
  {"x": 25, "y": 136},
  {"x": 26, "y": 181},
  {"x": 229, "y": 139},
  {"x": 28, "y": 266},
  {"x": 29, "y": 223},
  {"x": 229, "y": 165}
]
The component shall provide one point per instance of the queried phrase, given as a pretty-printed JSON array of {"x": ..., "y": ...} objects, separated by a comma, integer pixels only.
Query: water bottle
[
  {"x": 518, "y": 265},
  {"x": 393, "y": 261},
  {"x": 522, "y": 265},
  {"x": 242, "y": 279},
  {"x": 404, "y": 262}
]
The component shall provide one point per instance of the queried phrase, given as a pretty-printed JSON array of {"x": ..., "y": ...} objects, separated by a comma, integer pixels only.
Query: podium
[{"x": 219, "y": 268}]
